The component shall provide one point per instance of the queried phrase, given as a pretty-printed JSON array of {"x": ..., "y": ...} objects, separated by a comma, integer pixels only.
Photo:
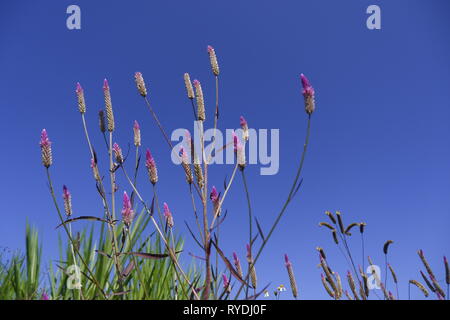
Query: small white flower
[
  {"x": 281, "y": 288},
  {"x": 266, "y": 293}
]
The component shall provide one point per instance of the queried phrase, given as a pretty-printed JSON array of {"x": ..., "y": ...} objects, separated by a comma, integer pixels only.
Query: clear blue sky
[{"x": 379, "y": 148}]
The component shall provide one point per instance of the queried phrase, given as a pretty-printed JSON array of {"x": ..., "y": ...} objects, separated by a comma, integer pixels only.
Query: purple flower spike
[{"x": 127, "y": 211}]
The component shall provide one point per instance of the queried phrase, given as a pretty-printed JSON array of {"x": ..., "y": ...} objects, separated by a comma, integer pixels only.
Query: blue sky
[{"x": 379, "y": 148}]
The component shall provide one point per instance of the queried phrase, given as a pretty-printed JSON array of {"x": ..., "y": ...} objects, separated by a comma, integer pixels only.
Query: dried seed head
[
  {"x": 420, "y": 286},
  {"x": 386, "y": 246},
  {"x": 339, "y": 285},
  {"x": 168, "y": 216},
  {"x": 322, "y": 253},
  {"x": 340, "y": 222},
  {"x": 108, "y": 106},
  {"x": 199, "y": 174},
  {"x": 80, "y": 95},
  {"x": 213, "y": 60},
  {"x": 188, "y": 84},
  {"x": 325, "y": 224},
  {"x": 151, "y": 167},
  {"x": 67, "y": 197},
  {"x": 244, "y": 127},
  {"x": 362, "y": 225},
  {"x": 101, "y": 121},
  {"x": 118, "y": 153},
  {"x": 391, "y": 296},
  {"x": 127, "y": 211},
  {"x": 308, "y": 94},
  {"x": 394, "y": 276},
  {"x": 327, "y": 288},
  {"x": 335, "y": 238},
  {"x": 137, "y": 134},
  {"x": 237, "y": 265},
  {"x": 140, "y": 84},
  {"x": 352, "y": 285},
  {"x": 200, "y": 101},
  {"x": 291, "y": 275},
  {"x": 425, "y": 263},
  {"x": 437, "y": 286},
  {"x": 447, "y": 271},
  {"x": 428, "y": 283},
  {"x": 330, "y": 215},
  {"x": 349, "y": 227},
  {"x": 46, "y": 149}
]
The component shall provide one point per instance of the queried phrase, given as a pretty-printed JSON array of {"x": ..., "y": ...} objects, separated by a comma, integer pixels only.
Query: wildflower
[
  {"x": 168, "y": 216},
  {"x": 266, "y": 293},
  {"x": 239, "y": 150},
  {"x": 108, "y": 106},
  {"x": 118, "y": 153},
  {"x": 200, "y": 101},
  {"x": 80, "y": 95},
  {"x": 281, "y": 288},
  {"x": 226, "y": 283},
  {"x": 252, "y": 270},
  {"x": 237, "y": 264},
  {"x": 213, "y": 60},
  {"x": 46, "y": 149},
  {"x": 186, "y": 167},
  {"x": 140, "y": 84},
  {"x": 137, "y": 134},
  {"x": 244, "y": 126},
  {"x": 44, "y": 296},
  {"x": 215, "y": 199},
  {"x": 67, "y": 197},
  {"x": 188, "y": 84},
  {"x": 101, "y": 121},
  {"x": 308, "y": 94},
  {"x": 291, "y": 276},
  {"x": 151, "y": 167},
  {"x": 95, "y": 169},
  {"x": 127, "y": 211}
]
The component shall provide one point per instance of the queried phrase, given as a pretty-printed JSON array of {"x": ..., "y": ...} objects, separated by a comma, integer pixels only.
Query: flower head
[
  {"x": 67, "y": 197},
  {"x": 213, "y": 60},
  {"x": 108, "y": 106},
  {"x": 44, "y": 296},
  {"x": 118, "y": 153},
  {"x": 286, "y": 260},
  {"x": 244, "y": 126},
  {"x": 214, "y": 196},
  {"x": 127, "y": 211},
  {"x": 95, "y": 169},
  {"x": 137, "y": 134},
  {"x": 140, "y": 84},
  {"x": 80, "y": 96},
  {"x": 266, "y": 293},
  {"x": 188, "y": 84},
  {"x": 308, "y": 94},
  {"x": 200, "y": 101},
  {"x": 46, "y": 149},
  {"x": 151, "y": 167},
  {"x": 168, "y": 216},
  {"x": 226, "y": 283}
]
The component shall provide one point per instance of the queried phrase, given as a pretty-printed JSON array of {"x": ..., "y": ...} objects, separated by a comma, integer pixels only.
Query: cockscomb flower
[
  {"x": 127, "y": 211},
  {"x": 188, "y": 84},
  {"x": 46, "y": 149},
  {"x": 80, "y": 96},
  {"x": 200, "y": 101},
  {"x": 253, "y": 278},
  {"x": 215, "y": 199},
  {"x": 226, "y": 283},
  {"x": 108, "y": 106},
  {"x": 308, "y": 94},
  {"x": 240, "y": 151},
  {"x": 213, "y": 60},
  {"x": 244, "y": 126},
  {"x": 186, "y": 167},
  {"x": 168, "y": 216},
  {"x": 291, "y": 275},
  {"x": 67, "y": 197},
  {"x": 118, "y": 153},
  {"x": 137, "y": 134},
  {"x": 140, "y": 84},
  {"x": 151, "y": 167},
  {"x": 237, "y": 264},
  {"x": 95, "y": 170}
]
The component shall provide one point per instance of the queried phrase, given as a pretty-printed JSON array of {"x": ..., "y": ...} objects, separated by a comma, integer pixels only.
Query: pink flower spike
[
  {"x": 286, "y": 260},
  {"x": 209, "y": 48},
  {"x": 79, "y": 88},
  {"x": 235, "y": 257},
  {"x": 105, "y": 85},
  {"x": 127, "y": 211},
  {"x": 150, "y": 161},
  {"x": 243, "y": 122},
  {"x": 249, "y": 253},
  {"x": 44, "y": 296},
  {"x": 196, "y": 82},
  {"x": 136, "y": 125},
  {"x": 214, "y": 196},
  {"x": 168, "y": 215},
  {"x": 308, "y": 90},
  {"x": 45, "y": 141},
  {"x": 225, "y": 281},
  {"x": 66, "y": 193}
]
